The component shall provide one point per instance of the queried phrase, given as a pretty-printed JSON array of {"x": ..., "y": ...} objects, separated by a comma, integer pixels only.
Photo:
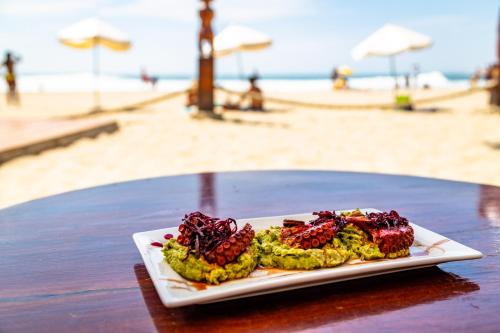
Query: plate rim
[{"x": 296, "y": 281}]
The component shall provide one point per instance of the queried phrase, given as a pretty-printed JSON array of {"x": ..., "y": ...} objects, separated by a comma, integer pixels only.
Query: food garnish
[
  {"x": 212, "y": 250},
  {"x": 217, "y": 240}
]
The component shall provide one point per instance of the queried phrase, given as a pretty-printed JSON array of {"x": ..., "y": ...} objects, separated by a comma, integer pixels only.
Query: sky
[{"x": 309, "y": 36}]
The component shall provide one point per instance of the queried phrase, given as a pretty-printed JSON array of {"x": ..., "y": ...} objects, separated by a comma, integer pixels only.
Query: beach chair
[{"x": 403, "y": 101}]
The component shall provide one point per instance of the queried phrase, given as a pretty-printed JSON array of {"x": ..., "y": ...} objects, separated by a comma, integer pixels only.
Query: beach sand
[{"x": 461, "y": 141}]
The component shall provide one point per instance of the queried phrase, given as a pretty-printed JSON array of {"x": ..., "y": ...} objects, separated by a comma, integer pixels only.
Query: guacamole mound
[
  {"x": 273, "y": 253},
  {"x": 357, "y": 241},
  {"x": 198, "y": 269}
]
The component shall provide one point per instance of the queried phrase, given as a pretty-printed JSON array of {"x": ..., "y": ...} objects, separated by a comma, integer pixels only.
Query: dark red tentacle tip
[
  {"x": 168, "y": 236},
  {"x": 158, "y": 244}
]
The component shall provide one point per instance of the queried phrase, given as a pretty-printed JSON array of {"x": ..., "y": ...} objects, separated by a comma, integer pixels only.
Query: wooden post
[
  {"x": 206, "y": 60},
  {"x": 496, "y": 98}
]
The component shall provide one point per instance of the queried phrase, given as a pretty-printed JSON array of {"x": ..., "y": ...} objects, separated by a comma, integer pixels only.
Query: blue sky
[{"x": 310, "y": 36}]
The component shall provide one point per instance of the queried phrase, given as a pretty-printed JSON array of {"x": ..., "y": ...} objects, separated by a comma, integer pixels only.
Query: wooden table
[{"x": 68, "y": 262}]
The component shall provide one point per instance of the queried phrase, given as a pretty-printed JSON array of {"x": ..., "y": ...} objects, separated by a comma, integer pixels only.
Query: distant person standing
[
  {"x": 407, "y": 81},
  {"x": 335, "y": 74},
  {"x": 148, "y": 79},
  {"x": 9, "y": 63},
  {"x": 416, "y": 73},
  {"x": 337, "y": 81}
]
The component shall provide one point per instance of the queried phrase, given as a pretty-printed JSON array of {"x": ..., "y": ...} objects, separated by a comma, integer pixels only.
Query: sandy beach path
[{"x": 461, "y": 142}]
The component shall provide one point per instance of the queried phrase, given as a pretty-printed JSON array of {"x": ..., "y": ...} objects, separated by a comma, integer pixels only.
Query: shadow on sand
[
  {"x": 233, "y": 119},
  {"x": 240, "y": 121},
  {"x": 493, "y": 145},
  {"x": 427, "y": 110}
]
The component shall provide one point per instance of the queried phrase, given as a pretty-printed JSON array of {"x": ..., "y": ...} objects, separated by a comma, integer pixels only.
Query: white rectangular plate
[{"x": 428, "y": 249}]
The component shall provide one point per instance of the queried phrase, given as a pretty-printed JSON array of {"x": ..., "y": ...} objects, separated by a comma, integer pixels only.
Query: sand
[{"x": 459, "y": 142}]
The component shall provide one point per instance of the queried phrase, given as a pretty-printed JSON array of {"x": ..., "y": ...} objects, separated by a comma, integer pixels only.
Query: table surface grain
[{"x": 68, "y": 262}]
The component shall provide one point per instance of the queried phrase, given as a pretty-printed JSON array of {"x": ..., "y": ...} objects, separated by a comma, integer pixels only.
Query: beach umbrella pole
[
  {"x": 241, "y": 71},
  {"x": 392, "y": 65},
  {"x": 95, "y": 60}
]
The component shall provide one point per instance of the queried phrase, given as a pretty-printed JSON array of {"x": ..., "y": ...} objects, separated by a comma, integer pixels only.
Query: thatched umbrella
[
  {"x": 389, "y": 41},
  {"x": 235, "y": 39},
  {"x": 90, "y": 34}
]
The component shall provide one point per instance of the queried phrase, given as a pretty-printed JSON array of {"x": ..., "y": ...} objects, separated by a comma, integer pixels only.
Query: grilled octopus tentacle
[
  {"x": 314, "y": 234},
  {"x": 231, "y": 248},
  {"x": 391, "y": 232}
]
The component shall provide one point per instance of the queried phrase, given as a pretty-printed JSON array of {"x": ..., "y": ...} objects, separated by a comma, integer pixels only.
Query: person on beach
[
  {"x": 192, "y": 96},
  {"x": 148, "y": 79},
  {"x": 474, "y": 79},
  {"x": 254, "y": 95},
  {"x": 493, "y": 78},
  {"x": 407, "y": 81},
  {"x": 335, "y": 74},
  {"x": 339, "y": 80},
  {"x": 10, "y": 77},
  {"x": 416, "y": 73}
]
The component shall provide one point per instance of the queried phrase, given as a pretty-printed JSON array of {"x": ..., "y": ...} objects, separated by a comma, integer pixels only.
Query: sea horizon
[
  {"x": 297, "y": 82},
  {"x": 450, "y": 75}
]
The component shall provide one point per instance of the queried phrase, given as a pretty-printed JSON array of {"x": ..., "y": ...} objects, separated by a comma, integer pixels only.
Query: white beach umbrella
[
  {"x": 236, "y": 39},
  {"x": 389, "y": 41},
  {"x": 90, "y": 34}
]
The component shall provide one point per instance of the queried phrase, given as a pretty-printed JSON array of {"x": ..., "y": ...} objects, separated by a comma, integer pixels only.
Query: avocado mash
[
  {"x": 357, "y": 241},
  {"x": 273, "y": 253},
  {"x": 198, "y": 269}
]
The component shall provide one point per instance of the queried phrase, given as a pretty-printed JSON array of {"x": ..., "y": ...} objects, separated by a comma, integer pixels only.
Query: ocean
[{"x": 82, "y": 82}]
